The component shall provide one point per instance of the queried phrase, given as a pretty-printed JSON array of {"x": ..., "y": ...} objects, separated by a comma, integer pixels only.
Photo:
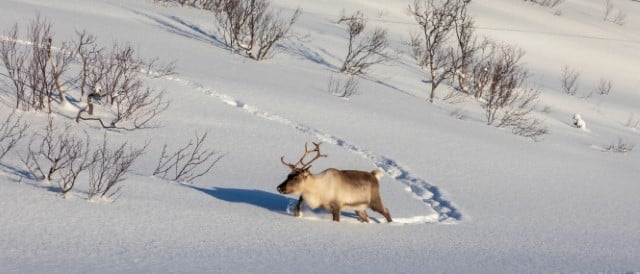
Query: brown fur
[{"x": 335, "y": 190}]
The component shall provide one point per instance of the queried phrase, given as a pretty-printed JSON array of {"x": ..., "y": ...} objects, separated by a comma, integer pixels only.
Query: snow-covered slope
[{"x": 465, "y": 197}]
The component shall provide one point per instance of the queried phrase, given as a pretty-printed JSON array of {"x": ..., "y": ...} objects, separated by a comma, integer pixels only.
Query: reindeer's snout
[{"x": 282, "y": 187}]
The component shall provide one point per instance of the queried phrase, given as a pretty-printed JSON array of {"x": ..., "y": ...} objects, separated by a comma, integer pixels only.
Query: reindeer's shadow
[
  {"x": 259, "y": 198},
  {"x": 267, "y": 200}
]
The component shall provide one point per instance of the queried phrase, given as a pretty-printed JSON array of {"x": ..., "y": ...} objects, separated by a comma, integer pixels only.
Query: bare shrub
[
  {"x": 12, "y": 130},
  {"x": 58, "y": 155},
  {"x": 459, "y": 114},
  {"x": 156, "y": 69},
  {"x": 364, "y": 52},
  {"x": 344, "y": 89},
  {"x": 435, "y": 19},
  {"x": 604, "y": 86},
  {"x": 620, "y": 16},
  {"x": 116, "y": 79},
  {"x": 619, "y": 147},
  {"x": 569, "y": 80},
  {"x": 531, "y": 128},
  {"x": 189, "y": 162},
  {"x": 252, "y": 25},
  {"x": 499, "y": 80},
  {"x": 546, "y": 3},
  {"x": 109, "y": 169},
  {"x": 202, "y": 4},
  {"x": 454, "y": 97},
  {"x": 633, "y": 122}
]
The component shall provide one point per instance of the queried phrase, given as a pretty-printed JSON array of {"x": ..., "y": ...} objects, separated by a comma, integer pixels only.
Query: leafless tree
[
  {"x": 14, "y": 61},
  {"x": 569, "y": 80},
  {"x": 189, "y": 162},
  {"x": 468, "y": 45},
  {"x": 604, "y": 86},
  {"x": 364, "y": 52},
  {"x": 344, "y": 89},
  {"x": 109, "y": 169},
  {"x": 12, "y": 129},
  {"x": 251, "y": 25},
  {"x": 436, "y": 20}
]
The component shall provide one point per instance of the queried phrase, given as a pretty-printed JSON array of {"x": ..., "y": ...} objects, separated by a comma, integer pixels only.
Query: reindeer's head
[{"x": 295, "y": 179}]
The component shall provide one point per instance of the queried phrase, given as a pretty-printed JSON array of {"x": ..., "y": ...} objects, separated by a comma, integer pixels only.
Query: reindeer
[{"x": 333, "y": 189}]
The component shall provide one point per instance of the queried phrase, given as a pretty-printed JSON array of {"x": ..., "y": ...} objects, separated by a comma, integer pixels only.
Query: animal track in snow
[{"x": 422, "y": 189}]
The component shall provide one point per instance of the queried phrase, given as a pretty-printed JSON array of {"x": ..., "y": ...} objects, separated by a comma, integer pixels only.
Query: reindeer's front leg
[{"x": 298, "y": 207}]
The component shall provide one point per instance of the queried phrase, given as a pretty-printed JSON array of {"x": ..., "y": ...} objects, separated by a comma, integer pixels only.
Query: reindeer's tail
[{"x": 378, "y": 173}]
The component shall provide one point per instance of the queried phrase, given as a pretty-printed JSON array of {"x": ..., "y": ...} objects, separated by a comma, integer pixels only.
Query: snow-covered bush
[{"x": 578, "y": 122}]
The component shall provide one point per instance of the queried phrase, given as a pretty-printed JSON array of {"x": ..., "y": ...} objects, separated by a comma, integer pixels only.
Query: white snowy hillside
[{"x": 464, "y": 196}]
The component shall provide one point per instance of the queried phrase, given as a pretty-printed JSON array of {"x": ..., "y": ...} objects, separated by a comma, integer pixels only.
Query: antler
[{"x": 306, "y": 165}]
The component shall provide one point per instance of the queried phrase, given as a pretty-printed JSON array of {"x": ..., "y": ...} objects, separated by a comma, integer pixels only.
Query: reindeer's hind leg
[
  {"x": 377, "y": 206},
  {"x": 363, "y": 216}
]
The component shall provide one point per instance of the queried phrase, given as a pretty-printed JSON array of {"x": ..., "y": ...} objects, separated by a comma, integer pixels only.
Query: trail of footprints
[{"x": 428, "y": 193}]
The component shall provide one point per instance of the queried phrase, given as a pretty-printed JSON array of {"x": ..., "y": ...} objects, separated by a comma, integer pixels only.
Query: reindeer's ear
[{"x": 306, "y": 171}]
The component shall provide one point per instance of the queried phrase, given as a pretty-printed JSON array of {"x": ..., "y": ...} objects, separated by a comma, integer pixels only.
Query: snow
[{"x": 464, "y": 196}]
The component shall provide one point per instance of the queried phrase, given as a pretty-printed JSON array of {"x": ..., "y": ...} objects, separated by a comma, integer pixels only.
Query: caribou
[{"x": 332, "y": 189}]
